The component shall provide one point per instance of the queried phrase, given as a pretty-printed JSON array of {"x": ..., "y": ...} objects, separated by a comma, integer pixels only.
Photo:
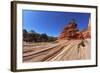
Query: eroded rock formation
[{"x": 71, "y": 31}]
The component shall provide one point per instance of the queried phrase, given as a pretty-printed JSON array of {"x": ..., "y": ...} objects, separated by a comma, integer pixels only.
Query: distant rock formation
[{"x": 71, "y": 31}]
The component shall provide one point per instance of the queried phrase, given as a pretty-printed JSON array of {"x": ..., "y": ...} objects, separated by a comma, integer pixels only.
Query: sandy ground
[{"x": 62, "y": 51}]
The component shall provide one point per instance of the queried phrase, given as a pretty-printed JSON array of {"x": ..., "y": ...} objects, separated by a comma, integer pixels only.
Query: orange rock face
[
  {"x": 71, "y": 31},
  {"x": 86, "y": 34}
]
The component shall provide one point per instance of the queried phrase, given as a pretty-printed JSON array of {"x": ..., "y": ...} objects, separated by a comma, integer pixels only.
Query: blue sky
[{"x": 51, "y": 22}]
